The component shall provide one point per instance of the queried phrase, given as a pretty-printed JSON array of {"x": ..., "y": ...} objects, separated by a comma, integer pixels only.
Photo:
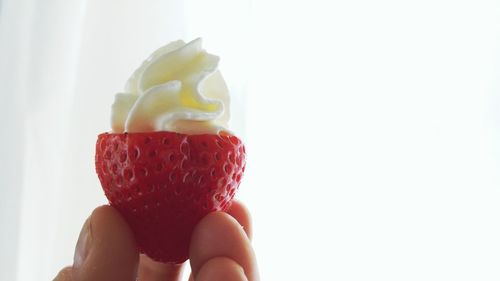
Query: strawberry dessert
[{"x": 170, "y": 158}]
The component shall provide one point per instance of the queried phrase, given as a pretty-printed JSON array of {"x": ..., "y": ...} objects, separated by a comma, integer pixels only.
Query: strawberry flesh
[{"x": 163, "y": 183}]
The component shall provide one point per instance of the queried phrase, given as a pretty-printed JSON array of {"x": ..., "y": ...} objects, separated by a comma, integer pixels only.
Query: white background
[{"x": 372, "y": 128}]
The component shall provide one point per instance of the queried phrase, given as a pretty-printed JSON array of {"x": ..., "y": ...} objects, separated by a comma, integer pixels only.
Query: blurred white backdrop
[{"x": 372, "y": 128}]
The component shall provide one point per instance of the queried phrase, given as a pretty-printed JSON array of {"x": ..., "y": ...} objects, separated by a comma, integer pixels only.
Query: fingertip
[
  {"x": 221, "y": 268},
  {"x": 110, "y": 252},
  {"x": 220, "y": 235},
  {"x": 241, "y": 213}
]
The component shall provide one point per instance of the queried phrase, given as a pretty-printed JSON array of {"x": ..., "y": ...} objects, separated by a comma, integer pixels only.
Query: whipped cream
[{"x": 178, "y": 89}]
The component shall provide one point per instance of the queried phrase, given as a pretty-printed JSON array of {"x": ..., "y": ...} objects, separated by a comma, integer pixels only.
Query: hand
[{"x": 220, "y": 250}]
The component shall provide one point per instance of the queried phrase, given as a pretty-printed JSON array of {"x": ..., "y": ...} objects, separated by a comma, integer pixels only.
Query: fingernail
[{"x": 83, "y": 244}]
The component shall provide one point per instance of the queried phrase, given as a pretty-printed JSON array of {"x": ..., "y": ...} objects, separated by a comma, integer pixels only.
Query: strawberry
[{"x": 163, "y": 183}]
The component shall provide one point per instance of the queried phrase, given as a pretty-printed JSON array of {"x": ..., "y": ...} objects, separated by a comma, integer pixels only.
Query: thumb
[{"x": 106, "y": 249}]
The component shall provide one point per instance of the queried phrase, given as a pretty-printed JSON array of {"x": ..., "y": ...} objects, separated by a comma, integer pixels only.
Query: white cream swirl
[{"x": 179, "y": 89}]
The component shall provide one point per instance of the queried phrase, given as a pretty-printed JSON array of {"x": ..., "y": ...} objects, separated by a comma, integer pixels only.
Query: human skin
[{"x": 220, "y": 249}]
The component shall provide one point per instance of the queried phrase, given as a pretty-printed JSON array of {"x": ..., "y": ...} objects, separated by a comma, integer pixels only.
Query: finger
[
  {"x": 150, "y": 270},
  {"x": 106, "y": 249},
  {"x": 221, "y": 268},
  {"x": 238, "y": 211},
  {"x": 220, "y": 235},
  {"x": 242, "y": 215},
  {"x": 65, "y": 274}
]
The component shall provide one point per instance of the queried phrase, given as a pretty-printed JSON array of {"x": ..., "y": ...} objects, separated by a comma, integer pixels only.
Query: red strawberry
[{"x": 163, "y": 183}]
